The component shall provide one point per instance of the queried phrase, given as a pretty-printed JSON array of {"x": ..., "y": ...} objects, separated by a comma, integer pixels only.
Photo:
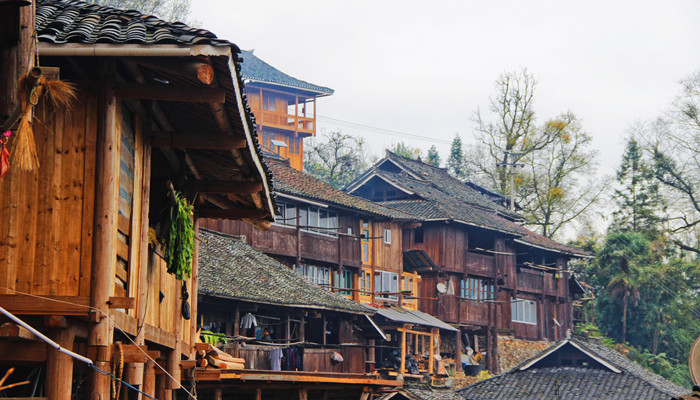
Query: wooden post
[
  {"x": 402, "y": 368},
  {"x": 258, "y": 394},
  {"x": 104, "y": 240},
  {"x": 218, "y": 395},
  {"x": 194, "y": 304},
  {"x": 59, "y": 370},
  {"x": 302, "y": 327},
  {"x": 161, "y": 391},
  {"x": 431, "y": 352},
  {"x": 460, "y": 347},
  {"x": 324, "y": 329},
  {"x": 288, "y": 330},
  {"x": 303, "y": 394},
  {"x": 149, "y": 378},
  {"x": 237, "y": 322},
  {"x": 135, "y": 371},
  {"x": 298, "y": 255}
]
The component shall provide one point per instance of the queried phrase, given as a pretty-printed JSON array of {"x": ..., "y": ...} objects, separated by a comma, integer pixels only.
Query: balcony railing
[{"x": 286, "y": 121}]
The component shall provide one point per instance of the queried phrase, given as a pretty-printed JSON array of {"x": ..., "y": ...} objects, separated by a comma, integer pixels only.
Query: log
[
  {"x": 13, "y": 331},
  {"x": 216, "y": 362},
  {"x": 236, "y": 213}
]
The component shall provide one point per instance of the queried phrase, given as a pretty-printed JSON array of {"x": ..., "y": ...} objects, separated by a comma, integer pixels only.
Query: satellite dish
[
  {"x": 694, "y": 362},
  {"x": 441, "y": 288}
]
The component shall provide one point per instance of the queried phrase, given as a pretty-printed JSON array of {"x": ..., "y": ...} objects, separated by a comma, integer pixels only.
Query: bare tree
[
  {"x": 507, "y": 132},
  {"x": 558, "y": 185},
  {"x": 337, "y": 160}
]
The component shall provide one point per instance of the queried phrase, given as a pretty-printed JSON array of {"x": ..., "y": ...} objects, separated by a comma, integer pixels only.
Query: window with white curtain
[{"x": 524, "y": 311}]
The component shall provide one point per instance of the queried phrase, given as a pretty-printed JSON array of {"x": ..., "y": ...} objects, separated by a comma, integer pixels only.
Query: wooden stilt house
[{"x": 159, "y": 115}]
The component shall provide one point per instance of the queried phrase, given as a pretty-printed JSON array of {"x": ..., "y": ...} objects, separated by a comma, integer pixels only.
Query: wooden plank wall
[
  {"x": 387, "y": 257},
  {"x": 46, "y": 234}
]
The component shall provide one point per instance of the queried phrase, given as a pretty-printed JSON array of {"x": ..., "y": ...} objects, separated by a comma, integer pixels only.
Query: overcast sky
[{"x": 423, "y": 67}]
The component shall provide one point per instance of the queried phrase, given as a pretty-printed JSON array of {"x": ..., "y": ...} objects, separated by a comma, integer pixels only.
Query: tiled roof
[
  {"x": 230, "y": 268},
  {"x": 67, "y": 22},
  {"x": 437, "y": 195},
  {"x": 257, "y": 70},
  {"x": 422, "y": 392},
  {"x": 70, "y": 21},
  {"x": 633, "y": 382},
  {"x": 288, "y": 180}
]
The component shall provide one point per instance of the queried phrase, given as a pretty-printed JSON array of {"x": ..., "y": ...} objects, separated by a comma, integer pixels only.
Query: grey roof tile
[
  {"x": 257, "y": 70},
  {"x": 230, "y": 268}
]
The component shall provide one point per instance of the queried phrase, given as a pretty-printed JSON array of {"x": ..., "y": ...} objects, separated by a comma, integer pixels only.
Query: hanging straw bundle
[{"x": 31, "y": 87}]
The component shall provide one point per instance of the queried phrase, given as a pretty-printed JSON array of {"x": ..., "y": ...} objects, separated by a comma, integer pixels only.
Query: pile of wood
[{"x": 210, "y": 356}]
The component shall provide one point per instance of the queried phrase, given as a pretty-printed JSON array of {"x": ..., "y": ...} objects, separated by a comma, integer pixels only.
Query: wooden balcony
[{"x": 296, "y": 123}]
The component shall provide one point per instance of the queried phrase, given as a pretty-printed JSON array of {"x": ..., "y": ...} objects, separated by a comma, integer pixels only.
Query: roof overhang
[
  {"x": 264, "y": 203},
  {"x": 568, "y": 253},
  {"x": 552, "y": 349}
]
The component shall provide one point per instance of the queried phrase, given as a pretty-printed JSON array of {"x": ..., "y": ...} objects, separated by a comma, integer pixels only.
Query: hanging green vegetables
[{"x": 180, "y": 239}]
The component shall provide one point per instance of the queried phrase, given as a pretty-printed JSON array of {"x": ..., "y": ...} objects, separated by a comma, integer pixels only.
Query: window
[
  {"x": 315, "y": 274},
  {"x": 311, "y": 218},
  {"x": 366, "y": 282},
  {"x": 268, "y": 102},
  {"x": 476, "y": 289},
  {"x": 365, "y": 245},
  {"x": 386, "y": 282},
  {"x": 524, "y": 311},
  {"x": 343, "y": 281},
  {"x": 418, "y": 236},
  {"x": 387, "y": 236}
]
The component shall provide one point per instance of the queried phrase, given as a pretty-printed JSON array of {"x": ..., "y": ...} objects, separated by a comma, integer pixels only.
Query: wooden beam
[
  {"x": 13, "y": 331},
  {"x": 171, "y": 93},
  {"x": 198, "y": 70},
  {"x": 45, "y": 305},
  {"x": 190, "y": 140},
  {"x": 22, "y": 352},
  {"x": 122, "y": 302},
  {"x": 236, "y": 187},
  {"x": 235, "y": 213},
  {"x": 132, "y": 354}
]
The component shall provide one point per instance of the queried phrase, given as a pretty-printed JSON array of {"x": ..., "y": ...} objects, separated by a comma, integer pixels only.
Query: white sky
[{"x": 424, "y": 67}]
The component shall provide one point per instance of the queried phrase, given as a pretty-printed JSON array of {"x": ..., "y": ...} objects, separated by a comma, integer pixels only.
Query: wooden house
[
  {"x": 285, "y": 329},
  {"x": 284, "y": 108},
  {"x": 159, "y": 108},
  {"x": 480, "y": 269},
  {"x": 576, "y": 369},
  {"x": 353, "y": 247}
]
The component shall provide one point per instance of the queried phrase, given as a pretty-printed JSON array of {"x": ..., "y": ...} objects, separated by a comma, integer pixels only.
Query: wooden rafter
[
  {"x": 171, "y": 93},
  {"x": 189, "y": 140},
  {"x": 237, "y": 187},
  {"x": 236, "y": 213}
]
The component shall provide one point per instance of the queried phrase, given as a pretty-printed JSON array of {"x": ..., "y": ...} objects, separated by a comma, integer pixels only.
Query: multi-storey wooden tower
[{"x": 284, "y": 108}]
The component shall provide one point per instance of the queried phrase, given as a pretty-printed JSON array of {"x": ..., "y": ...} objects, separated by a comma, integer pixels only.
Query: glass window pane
[{"x": 290, "y": 213}]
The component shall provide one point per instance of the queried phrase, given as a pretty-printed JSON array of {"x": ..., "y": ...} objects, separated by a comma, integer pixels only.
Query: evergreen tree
[
  {"x": 638, "y": 197},
  {"x": 433, "y": 157},
  {"x": 455, "y": 162}
]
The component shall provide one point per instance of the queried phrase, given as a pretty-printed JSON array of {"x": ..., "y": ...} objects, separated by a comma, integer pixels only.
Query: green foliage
[
  {"x": 212, "y": 338},
  {"x": 404, "y": 150},
  {"x": 455, "y": 162},
  {"x": 638, "y": 197},
  {"x": 179, "y": 245},
  {"x": 433, "y": 157},
  {"x": 337, "y": 160}
]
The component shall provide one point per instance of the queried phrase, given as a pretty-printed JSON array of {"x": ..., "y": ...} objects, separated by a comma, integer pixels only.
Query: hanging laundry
[
  {"x": 276, "y": 359},
  {"x": 248, "y": 321}
]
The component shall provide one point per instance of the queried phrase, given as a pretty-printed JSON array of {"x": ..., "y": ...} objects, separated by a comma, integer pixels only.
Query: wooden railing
[
  {"x": 312, "y": 359},
  {"x": 286, "y": 121}
]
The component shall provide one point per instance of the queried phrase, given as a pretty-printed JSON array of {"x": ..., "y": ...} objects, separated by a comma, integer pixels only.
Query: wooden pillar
[
  {"x": 303, "y": 394},
  {"x": 460, "y": 348},
  {"x": 59, "y": 366},
  {"x": 104, "y": 251},
  {"x": 431, "y": 352},
  {"x": 402, "y": 368},
  {"x": 298, "y": 255},
  {"x": 218, "y": 394},
  {"x": 194, "y": 304},
  {"x": 324, "y": 329},
  {"x": 149, "y": 378},
  {"x": 288, "y": 329},
  {"x": 302, "y": 327},
  {"x": 237, "y": 322},
  {"x": 161, "y": 392},
  {"x": 134, "y": 371},
  {"x": 258, "y": 394}
]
